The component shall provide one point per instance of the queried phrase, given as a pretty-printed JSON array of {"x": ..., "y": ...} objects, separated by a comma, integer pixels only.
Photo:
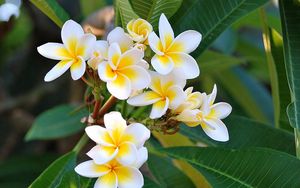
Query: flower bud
[{"x": 139, "y": 30}]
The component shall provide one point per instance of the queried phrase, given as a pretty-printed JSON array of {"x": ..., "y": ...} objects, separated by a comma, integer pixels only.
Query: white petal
[
  {"x": 142, "y": 157},
  {"x": 155, "y": 43},
  {"x": 78, "y": 68},
  {"x": 189, "y": 117},
  {"x": 176, "y": 96},
  {"x": 15, "y": 2},
  {"x": 91, "y": 170},
  {"x": 114, "y": 120},
  {"x": 130, "y": 57},
  {"x": 138, "y": 76},
  {"x": 99, "y": 135},
  {"x": 54, "y": 51},
  {"x": 101, "y": 46},
  {"x": 186, "y": 42},
  {"x": 144, "y": 99},
  {"x": 119, "y": 36},
  {"x": 127, "y": 154},
  {"x": 71, "y": 31},
  {"x": 114, "y": 54},
  {"x": 144, "y": 64},
  {"x": 106, "y": 72},
  {"x": 85, "y": 46},
  {"x": 7, "y": 10},
  {"x": 185, "y": 64},
  {"x": 94, "y": 62},
  {"x": 107, "y": 181},
  {"x": 136, "y": 133},
  {"x": 166, "y": 33},
  {"x": 129, "y": 177},
  {"x": 219, "y": 133},
  {"x": 159, "y": 108},
  {"x": 162, "y": 64},
  {"x": 221, "y": 109},
  {"x": 120, "y": 87},
  {"x": 58, "y": 70},
  {"x": 212, "y": 97},
  {"x": 174, "y": 78},
  {"x": 102, "y": 154}
]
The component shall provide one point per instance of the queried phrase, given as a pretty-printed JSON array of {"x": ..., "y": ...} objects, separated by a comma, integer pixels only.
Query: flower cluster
[
  {"x": 121, "y": 65},
  {"x": 118, "y": 155}
]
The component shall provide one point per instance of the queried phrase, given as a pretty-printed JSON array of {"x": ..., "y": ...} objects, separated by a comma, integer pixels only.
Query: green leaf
[
  {"x": 57, "y": 122},
  {"x": 290, "y": 19},
  {"x": 256, "y": 167},
  {"x": 152, "y": 9},
  {"x": 148, "y": 183},
  {"x": 244, "y": 89},
  {"x": 166, "y": 173},
  {"x": 211, "y": 18},
  {"x": 125, "y": 11},
  {"x": 211, "y": 61},
  {"x": 53, "y": 10},
  {"x": 284, "y": 90},
  {"x": 244, "y": 132},
  {"x": 59, "y": 174}
]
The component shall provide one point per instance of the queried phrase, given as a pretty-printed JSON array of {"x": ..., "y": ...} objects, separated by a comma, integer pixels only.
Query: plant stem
[
  {"x": 96, "y": 109},
  {"x": 86, "y": 81},
  {"x": 81, "y": 143},
  {"x": 297, "y": 142},
  {"x": 108, "y": 104}
]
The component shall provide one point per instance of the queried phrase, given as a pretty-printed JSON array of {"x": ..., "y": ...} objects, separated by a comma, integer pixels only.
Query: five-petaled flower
[
  {"x": 208, "y": 116},
  {"x": 73, "y": 53},
  {"x": 173, "y": 53},
  {"x": 113, "y": 174},
  {"x": 167, "y": 93},
  {"x": 117, "y": 141},
  {"x": 99, "y": 54},
  {"x": 124, "y": 72}
]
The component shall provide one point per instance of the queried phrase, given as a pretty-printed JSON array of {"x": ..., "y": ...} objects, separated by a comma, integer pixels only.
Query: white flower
[
  {"x": 10, "y": 8},
  {"x": 117, "y": 141},
  {"x": 117, "y": 35},
  {"x": 139, "y": 30},
  {"x": 124, "y": 72},
  {"x": 174, "y": 53},
  {"x": 99, "y": 54},
  {"x": 167, "y": 93},
  {"x": 113, "y": 174},
  {"x": 73, "y": 53},
  {"x": 193, "y": 100},
  {"x": 209, "y": 117}
]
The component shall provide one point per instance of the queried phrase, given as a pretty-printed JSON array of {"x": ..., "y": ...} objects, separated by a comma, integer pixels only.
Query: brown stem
[
  {"x": 96, "y": 109},
  {"x": 108, "y": 104},
  {"x": 86, "y": 81}
]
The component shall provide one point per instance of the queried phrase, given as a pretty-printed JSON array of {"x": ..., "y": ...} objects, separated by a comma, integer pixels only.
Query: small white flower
[
  {"x": 209, "y": 117},
  {"x": 99, "y": 54},
  {"x": 174, "y": 53},
  {"x": 139, "y": 30},
  {"x": 167, "y": 93},
  {"x": 193, "y": 100},
  {"x": 73, "y": 53},
  {"x": 118, "y": 35},
  {"x": 10, "y": 8},
  {"x": 124, "y": 72},
  {"x": 113, "y": 174},
  {"x": 117, "y": 140}
]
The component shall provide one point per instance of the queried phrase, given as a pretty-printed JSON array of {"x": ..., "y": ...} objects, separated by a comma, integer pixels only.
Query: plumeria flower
[
  {"x": 193, "y": 101},
  {"x": 117, "y": 140},
  {"x": 99, "y": 54},
  {"x": 209, "y": 117},
  {"x": 174, "y": 53},
  {"x": 139, "y": 30},
  {"x": 124, "y": 72},
  {"x": 113, "y": 174},
  {"x": 118, "y": 35},
  {"x": 166, "y": 93},
  {"x": 73, "y": 53},
  {"x": 10, "y": 8}
]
